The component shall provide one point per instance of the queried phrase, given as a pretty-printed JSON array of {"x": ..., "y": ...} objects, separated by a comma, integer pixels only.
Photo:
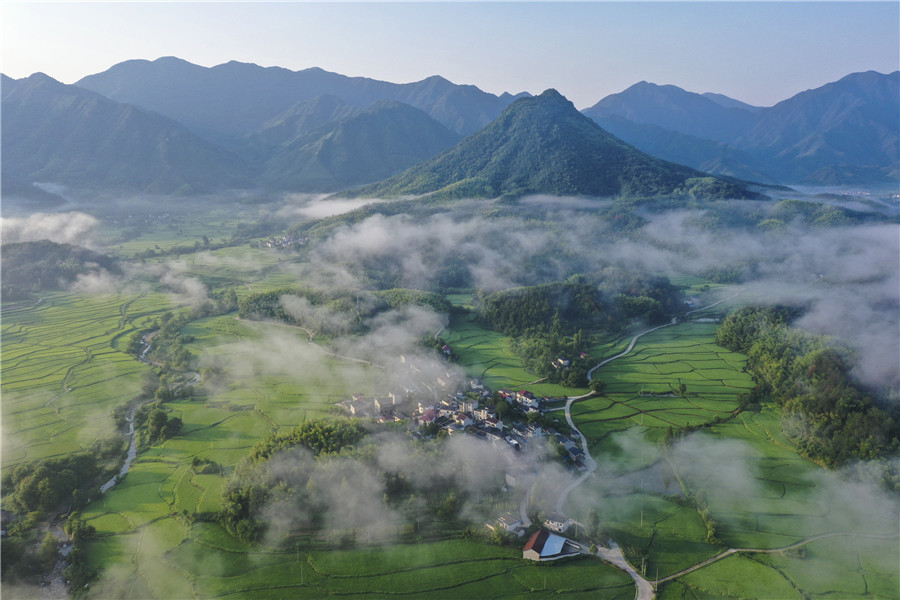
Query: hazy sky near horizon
[{"x": 757, "y": 52}]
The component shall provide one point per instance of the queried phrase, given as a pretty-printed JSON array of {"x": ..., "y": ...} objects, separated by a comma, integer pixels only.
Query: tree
[
  {"x": 49, "y": 551},
  {"x": 173, "y": 426},
  {"x": 597, "y": 386},
  {"x": 149, "y": 383},
  {"x": 593, "y": 523},
  {"x": 163, "y": 394},
  {"x": 156, "y": 424},
  {"x": 682, "y": 389},
  {"x": 503, "y": 409}
]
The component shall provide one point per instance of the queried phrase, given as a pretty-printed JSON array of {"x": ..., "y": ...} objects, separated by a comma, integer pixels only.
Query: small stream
[
  {"x": 132, "y": 448},
  {"x": 129, "y": 458}
]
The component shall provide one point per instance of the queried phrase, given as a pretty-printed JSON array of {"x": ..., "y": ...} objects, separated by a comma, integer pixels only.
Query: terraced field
[{"x": 64, "y": 370}]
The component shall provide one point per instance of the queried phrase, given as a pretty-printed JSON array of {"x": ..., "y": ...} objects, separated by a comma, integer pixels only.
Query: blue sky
[{"x": 758, "y": 52}]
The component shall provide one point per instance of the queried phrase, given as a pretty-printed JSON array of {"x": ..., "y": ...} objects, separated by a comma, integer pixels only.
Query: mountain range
[
  {"x": 236, "y": 98},
  {"x": 168, "y": 126},
  {"x": 843, "y": 132}
]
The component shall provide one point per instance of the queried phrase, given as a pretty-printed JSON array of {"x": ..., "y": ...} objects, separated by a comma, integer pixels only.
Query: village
[
  {"x": 285, "y": 241},
  {"x": 434, "y": 405}
]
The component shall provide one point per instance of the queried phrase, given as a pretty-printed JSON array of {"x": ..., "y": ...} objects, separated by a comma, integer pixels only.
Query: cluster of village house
[
  {"x": 285, "y": 241},
  {"x": 459, "y": 412}
]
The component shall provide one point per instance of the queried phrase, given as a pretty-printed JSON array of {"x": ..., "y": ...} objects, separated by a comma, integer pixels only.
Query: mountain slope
[
  {"x": 60, "y": 133},
  {"x": 236, "y": 99},
  {"x": 673, "y": 108},
  {"x": 843, "y": 131},
  {"x": 723, "y": 100},
  {"x": 298, "y": 120},
  {"x": 708, "y": 156},
  {"x": 544, "y": 145},
  {"x": 377, "y": 143}
]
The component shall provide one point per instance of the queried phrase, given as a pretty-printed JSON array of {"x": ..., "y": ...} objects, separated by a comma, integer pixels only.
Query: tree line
[{"x": 828, "y": 414}]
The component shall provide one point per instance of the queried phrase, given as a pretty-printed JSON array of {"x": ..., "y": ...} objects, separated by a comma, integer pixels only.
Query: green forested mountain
[
  {"x": 845, "y": 131},
  {"x": 543, "y": 144},
  {"x": 377, "y": 143},
  {"x": 60, "y": 133}
]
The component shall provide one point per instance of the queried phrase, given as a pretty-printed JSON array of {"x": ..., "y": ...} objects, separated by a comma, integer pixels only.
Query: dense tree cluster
[
  {"x": 299, "y": 474},
  {"x": 548, "y": 320},
  {"x": 318, "y": 436},
  {"x": 51, "y": 483},
  {"x": 533, "y": 309},
  {"x": 599, "y": 301},
  {"x": 167, "y": 347},
  {"x": 831, "y": 418},
  {"x": 44, "y": 265},
  {"x": 541, "y": 352},
  {"x": 333, "y": 312}
]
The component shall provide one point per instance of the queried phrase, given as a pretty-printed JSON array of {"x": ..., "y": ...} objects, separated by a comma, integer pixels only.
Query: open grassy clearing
[{"x": 64, "y": 370}]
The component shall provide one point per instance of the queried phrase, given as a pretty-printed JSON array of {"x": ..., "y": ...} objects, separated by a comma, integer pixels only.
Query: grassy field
[{"x": 641, "y": 388}]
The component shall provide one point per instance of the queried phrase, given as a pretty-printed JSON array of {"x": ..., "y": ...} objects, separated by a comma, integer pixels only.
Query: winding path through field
[
  {"x": 731, "y": 551},
  {"x": 613, "y": 554}
]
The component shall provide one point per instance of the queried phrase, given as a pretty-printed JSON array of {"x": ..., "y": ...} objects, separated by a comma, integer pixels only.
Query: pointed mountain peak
[
  {"x": 542, "y": 144},
  {"x": 40, "y": 77},
  {"x": 551, "y": 94},
  {"x": 547, "y": 99}
]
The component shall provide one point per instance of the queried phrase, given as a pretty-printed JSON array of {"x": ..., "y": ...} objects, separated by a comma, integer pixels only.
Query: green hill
[{"x": 542, "y": 144}]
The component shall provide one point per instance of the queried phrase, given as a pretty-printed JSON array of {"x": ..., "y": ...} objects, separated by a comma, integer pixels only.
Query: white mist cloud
[{"x": 62, "y": 228}]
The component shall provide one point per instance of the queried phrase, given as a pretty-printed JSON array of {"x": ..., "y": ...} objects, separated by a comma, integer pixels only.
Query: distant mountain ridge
[
  {"x": 542, "y": 144},
  {"x": 842, "y": 132},
  {"x": 673, "y": 108},
  {"x": 235, "y": 99}
]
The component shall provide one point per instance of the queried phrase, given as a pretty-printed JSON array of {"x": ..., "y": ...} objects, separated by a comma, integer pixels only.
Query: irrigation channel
[{"x": 613, "y": 554}]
